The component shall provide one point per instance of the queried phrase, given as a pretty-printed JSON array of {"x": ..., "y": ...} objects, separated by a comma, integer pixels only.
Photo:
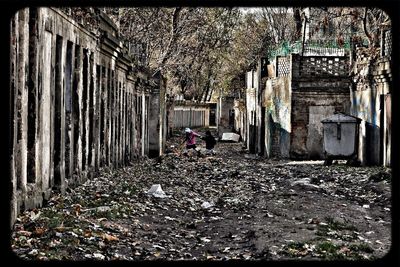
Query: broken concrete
[{"x": 230, "y": 137}]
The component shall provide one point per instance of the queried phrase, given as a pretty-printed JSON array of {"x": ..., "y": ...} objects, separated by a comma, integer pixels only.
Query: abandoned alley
[
  {"x": 160, "y": 133},
  {"x": 218, "y": 207}
]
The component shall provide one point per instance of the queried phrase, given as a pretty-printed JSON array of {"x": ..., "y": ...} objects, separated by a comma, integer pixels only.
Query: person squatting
[{"x": 190, "y": 139}]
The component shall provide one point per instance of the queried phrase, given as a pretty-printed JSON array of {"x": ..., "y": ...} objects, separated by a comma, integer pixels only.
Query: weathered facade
[
  {"x": 320, "y": 87},
  {"x": 301, "y": 91},
  {"x": 277, "y": 102},
  {"x": 297, "y": 92},
  {"x": 255, "y": 128},
  {"x": 371, "y": 102},
  {"x": 78, "y": 104}
]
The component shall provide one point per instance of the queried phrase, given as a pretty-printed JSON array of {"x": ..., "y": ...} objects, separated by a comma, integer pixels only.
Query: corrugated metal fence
[{"x": 191, "y": 117}]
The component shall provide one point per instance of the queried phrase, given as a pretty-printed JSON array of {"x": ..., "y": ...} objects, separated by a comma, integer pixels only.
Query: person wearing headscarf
[{"x": 190, "y": 139}]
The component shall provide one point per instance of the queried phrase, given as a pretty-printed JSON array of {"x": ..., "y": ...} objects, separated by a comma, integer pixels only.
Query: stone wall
[{"x": 78, "y": 104}]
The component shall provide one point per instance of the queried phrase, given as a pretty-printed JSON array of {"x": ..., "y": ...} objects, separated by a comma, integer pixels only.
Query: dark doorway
[
  {"x": 58, "y": 147},
  {"x": 262, "y": 134},
  {"x": 84, "y": 105},
  {"x": 68, "y": 111},
  {"x": 91, "y": 111},
  {"x": 212, "y": 119},
  {"x": 231, "y": 118},
  {"x": 252, "y": 134},
  {"x": 32, "y": 96},
  {"x": 382, "y": 129}
]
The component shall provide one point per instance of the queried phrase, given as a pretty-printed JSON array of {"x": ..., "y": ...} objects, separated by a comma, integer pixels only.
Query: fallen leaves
[
  {"x": 212, "y": 208},
  {"x": 109, "y": 238},
  {"x": 39, "y": 231}
]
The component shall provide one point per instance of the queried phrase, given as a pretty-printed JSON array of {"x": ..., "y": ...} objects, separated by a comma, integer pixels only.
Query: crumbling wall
[
  {"x": 371, "y": 102},
  {"x": 277, "y": 101},
  {"x": 320, "y": 86},
  {"x": 75, "y": 104}
]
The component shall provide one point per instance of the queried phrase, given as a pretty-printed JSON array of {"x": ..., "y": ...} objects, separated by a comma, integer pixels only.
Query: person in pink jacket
[{"x": 190, "y": 139}]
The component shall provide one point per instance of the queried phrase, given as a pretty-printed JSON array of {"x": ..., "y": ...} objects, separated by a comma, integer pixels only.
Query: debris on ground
[
  {"x": 230, "y": 137},
  {"x": 225, "y": 206},
  {"x": 156, "y": 191}
]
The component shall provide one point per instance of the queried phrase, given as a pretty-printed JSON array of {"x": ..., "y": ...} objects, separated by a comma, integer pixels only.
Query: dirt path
[{"x": 260, "y": 209}]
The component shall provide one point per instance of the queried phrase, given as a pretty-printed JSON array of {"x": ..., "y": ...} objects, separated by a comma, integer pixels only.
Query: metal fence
[{"x": 312, "y": 48}]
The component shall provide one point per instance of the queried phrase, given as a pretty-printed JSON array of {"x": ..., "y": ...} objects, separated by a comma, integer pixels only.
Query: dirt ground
[{"x": 227, "y": 206}]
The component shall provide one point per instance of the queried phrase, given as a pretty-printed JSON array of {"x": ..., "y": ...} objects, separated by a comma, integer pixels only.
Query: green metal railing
[{"x": 286, "y": 48}]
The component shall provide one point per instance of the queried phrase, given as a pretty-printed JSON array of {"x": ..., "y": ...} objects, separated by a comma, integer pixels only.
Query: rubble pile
[{"x": 220, "y": 207}]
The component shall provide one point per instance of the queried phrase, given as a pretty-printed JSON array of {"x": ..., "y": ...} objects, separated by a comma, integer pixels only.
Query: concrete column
[
  {"x": 21, "y": 100},
  {"x": 113, "y": 114},
  {"x": 13, "y": 107},
  {"x": 86, "y": 92},
  {"x": 105, "y": 119},
  {"x": 115, "y": 117},
  {"x": 21, "y": 104},
  {"x": 62, "y": 109},
  {"x": 120, "y": 122},
  {"x": 119, "y": 136},
  {"x": 133, "y": 126},
  {"x": 123, "y": 123},
  {"x": 108, "y": 115},
  {"x": 45, "y": 110},
  {"x": 79, "y": 76},
  {"x": 154, "y": 123},
  {"x": 143, "y": 122},
  {"x": 97, "y": 111},
  {"x": 128, "y": 125}
]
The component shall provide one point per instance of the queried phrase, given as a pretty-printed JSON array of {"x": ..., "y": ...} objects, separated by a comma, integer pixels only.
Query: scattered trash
[
  {"x": 230, "y": 137},
  {"x": 218, "y": 208},
  {"x": 99, "y": 256},
  {"x": 156, "y": 191},
  {"x": 305, "y": 183},
  {"x": 206, "y": 205}
]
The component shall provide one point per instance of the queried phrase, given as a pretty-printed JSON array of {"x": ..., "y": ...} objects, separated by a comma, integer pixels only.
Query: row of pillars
[{"x": 74, "y": 110}]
